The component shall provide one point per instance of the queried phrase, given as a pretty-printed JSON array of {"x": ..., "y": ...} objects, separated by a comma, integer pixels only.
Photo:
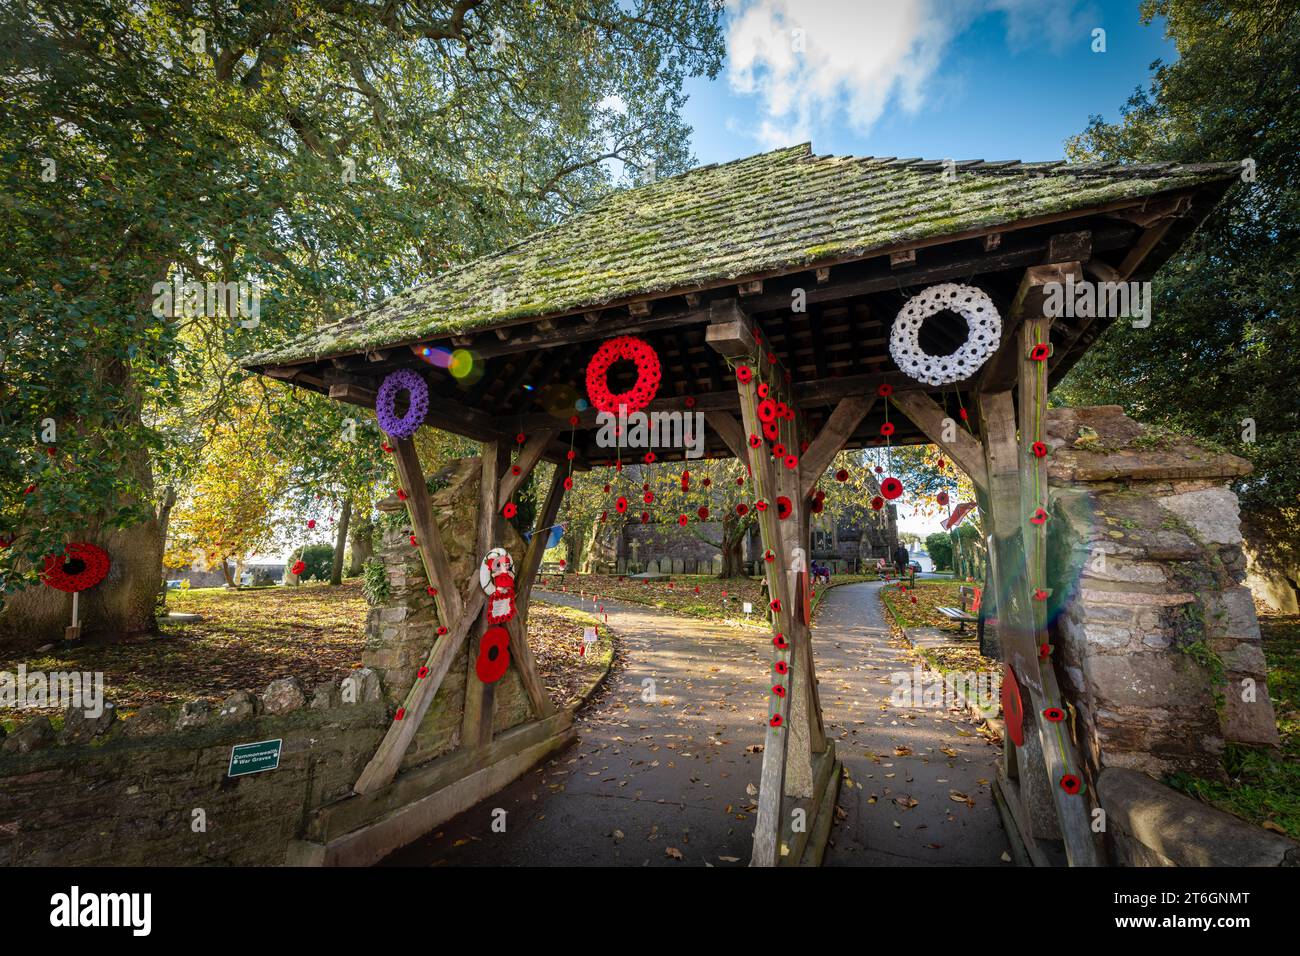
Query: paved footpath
[{"x": 664, "y": 773}]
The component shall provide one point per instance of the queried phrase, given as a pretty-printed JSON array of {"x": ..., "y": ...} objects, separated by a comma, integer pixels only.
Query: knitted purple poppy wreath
[{"x": 386, "y": 403}]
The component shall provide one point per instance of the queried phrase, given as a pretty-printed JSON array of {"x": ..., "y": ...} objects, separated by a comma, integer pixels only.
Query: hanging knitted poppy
[
  {"x": 762, "y": 390},
  {"x": 1071, "y": 784},
  {"x": 842, "y": 475},
  {"x": 521, "y": 438},
  {"x": 703, "y": 512},
  {"x": 744, "y": 374},
  {"x": 887, "y": 429},
  {"x": 683, "y": 520},
  {"x": 742, "y": 509},
  {"x": 778, "y": 450},
  {"x": 783, "y": 507},
  {"x": 775, "y": 722},
  {"x": 767, "y": 410},
  {"x": 877, "y": 502},
  {"x": 778, "y": 690},
  {"x": 298, "y": 568},
  {"x": 884, "y": 390},
  {"x": 780, "y": 643},
  {"x": 761, "y": 505},
  {"x": 509, "y": 511},
  {"x": 891, "y": 488},
  {"x": 1040, "y": 352},
  {"x": 1039, "y": 517},
  {"x": 941, "y": 499},
  {"x": 817, "y": 505},
  {"x": 781, "y": 667},
  {"x": 568, "y": 482},
  {"x": 431, "y": 591},
  {"x": 755, "y": 441},
  {"x": 311, "y": 524},
  {"x": 771, "y": 431},
  {"x": 1054, "y": 714},
  {"x": 775, "y": 605},
  {"x": 79, "y": 567},
  {"x": 1039, "y": 449},
  {"x": 621, "y": 505},
  {"x": 791, "y": 462},
  {"x": 648, "y": 497}
]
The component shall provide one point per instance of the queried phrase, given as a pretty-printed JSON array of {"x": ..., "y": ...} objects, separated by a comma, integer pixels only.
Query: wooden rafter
[
  {"x": 958, "y": 444},
  {"x": 842, "y": 423}
]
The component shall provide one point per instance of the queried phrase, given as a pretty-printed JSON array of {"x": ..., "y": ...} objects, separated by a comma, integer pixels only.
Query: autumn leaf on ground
[{"x": 670, "y": 851}]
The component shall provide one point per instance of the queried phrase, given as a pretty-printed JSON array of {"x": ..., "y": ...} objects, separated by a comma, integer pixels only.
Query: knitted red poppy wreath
[
  {"x": 79, "y": 567},
  {"x": 648, "y": 374}
]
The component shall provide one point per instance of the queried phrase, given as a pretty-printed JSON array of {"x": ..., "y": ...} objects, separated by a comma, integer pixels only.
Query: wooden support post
[
  {"x": 480, "y": 698},
  {"x": 437, "y": 568},
  {"x": 1058, "y": 751},
  {"x": 529, "y": 456}
]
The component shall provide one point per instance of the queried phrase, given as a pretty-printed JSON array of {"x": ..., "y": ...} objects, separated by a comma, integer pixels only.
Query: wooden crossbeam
[
  {"x": 957, "y": 443},
  {"x": 383, "y": 766},
  {"x": 841, "y": 424},
  {"x": 730, "y": 431},
  {"x": 437, "y": 567},
  {"x": 1001, "y": 370},
  {"x": 529, "y": 456}
]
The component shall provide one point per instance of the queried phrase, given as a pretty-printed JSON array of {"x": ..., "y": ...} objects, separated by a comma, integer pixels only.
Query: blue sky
[{"x": 960, "y": 79}]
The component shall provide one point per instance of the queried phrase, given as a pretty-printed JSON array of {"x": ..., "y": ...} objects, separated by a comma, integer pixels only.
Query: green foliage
[
  {"x": 1224, "y": 316},
  {"x": 374, "y": 582},
  {"x": 939, "y": 547},
  {"x": 319, "y": 559},
  {"x": 333, "y": 153}
]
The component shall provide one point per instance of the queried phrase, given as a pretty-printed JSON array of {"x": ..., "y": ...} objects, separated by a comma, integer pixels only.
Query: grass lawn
[
  {"x": 248, "y": 638},
  {"x": 1263, "y": 787},
  {"x": 916, "y": 606},
  {"x": 696, "y": 595}
]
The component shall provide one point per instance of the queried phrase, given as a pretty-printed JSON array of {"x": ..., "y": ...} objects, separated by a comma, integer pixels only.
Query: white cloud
[{"x": 814, "y": 62}]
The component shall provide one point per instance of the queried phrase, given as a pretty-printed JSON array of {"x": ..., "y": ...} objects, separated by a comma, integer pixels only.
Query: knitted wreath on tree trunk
[
  {"x": 81, "y": 566},
  {"x": 984, "y": 332}
]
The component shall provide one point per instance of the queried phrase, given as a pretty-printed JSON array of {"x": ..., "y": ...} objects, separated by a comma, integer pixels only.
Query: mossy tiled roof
[{"x": 777, "y": 211}]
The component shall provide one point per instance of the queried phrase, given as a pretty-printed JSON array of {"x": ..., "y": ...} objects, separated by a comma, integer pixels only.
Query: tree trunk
[
  {"x": 362, "y": 536},
  {"x": 733, "y": 540},
  {"x": 340, "y": 542},
  {"x": 225, "y": 572},
  {"x": 164, "y": 519}
]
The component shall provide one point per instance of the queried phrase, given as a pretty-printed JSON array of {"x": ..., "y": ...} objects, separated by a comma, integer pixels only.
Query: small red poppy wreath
[
  {"x": 1039, "y": 517},
  {"x": 703, "y": 513},
  {"x": 877, "y": 502},
  {"x": 778, "y": 450},
  {"x": 744, "y": 374},
  {"x": 1039, "y": 449},
  {"x": 1040, "y": 352},
  {"x": 782, "y": 667},
  {"x": 778, "y": 689},
  {"x": 568, "y": 482},
  {"x": 775, "y": 721},
  {"x": 783, "y": 507},
  {"x": 442, "y": 630},
  {"x": 767, "y": 410},
  {"x": 842, "y": 475},
  {"x": 891, "y": 488},
  {"x": 648, "y": 497},
  {"x": 1071, "y": 784},
  {"x": 1054, "y": 714},
  {"x": 941, "y": 499},
  {"x": 776, "y": 605},
  {"x": 79, "y": 567},
  {"x": 761, "y": 505},
  {"x": 509, "y": 511},
  {"x": 771, "y": 431},
  {"x": 887, "y": 429},
  {"x": 683, "y": 520},
  {"x": 755, "y": 441},
  {"x": 649, "y": 458},
  {"x": 422, "y": 673},
  {"x": 791, "y": 462},
  {"x": 516, "y": 470},
  {"x": 762, "y": 390},
  {"x": 648, "y": 374}
]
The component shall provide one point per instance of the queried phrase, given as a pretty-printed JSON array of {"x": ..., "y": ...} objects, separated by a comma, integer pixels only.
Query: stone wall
[
  {"x": 1154, "y": 632},
  {"x": 125, "y": 792},
  {"x": 400, "y": 633}
]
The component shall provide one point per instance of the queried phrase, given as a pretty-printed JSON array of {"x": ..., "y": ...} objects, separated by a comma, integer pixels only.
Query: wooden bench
[{"x": 960, "y": 614}]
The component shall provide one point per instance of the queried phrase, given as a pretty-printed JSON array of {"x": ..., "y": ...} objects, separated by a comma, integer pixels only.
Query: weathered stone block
[
  {"x": 34, "y": 734},
  {"x": 80, "y": 727},
  {"x": 241, "y": 705},
  {"x": 284, "y": 695}
]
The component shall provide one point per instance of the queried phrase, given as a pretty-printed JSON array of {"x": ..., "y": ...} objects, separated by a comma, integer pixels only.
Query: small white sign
[
  {"x": 749, "y": 608},
  {"x": 589, "y": 635}
]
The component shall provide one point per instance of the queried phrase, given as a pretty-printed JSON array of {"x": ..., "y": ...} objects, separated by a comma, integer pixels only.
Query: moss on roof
[{"x": 776, "y": 211}]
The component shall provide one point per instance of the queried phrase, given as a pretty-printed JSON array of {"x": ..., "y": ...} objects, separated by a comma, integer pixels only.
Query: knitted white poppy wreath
[{"x": 984, "y": 332}]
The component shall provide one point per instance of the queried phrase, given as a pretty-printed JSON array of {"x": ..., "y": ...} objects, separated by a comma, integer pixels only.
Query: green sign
[{"x": 254, "y": 758}]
